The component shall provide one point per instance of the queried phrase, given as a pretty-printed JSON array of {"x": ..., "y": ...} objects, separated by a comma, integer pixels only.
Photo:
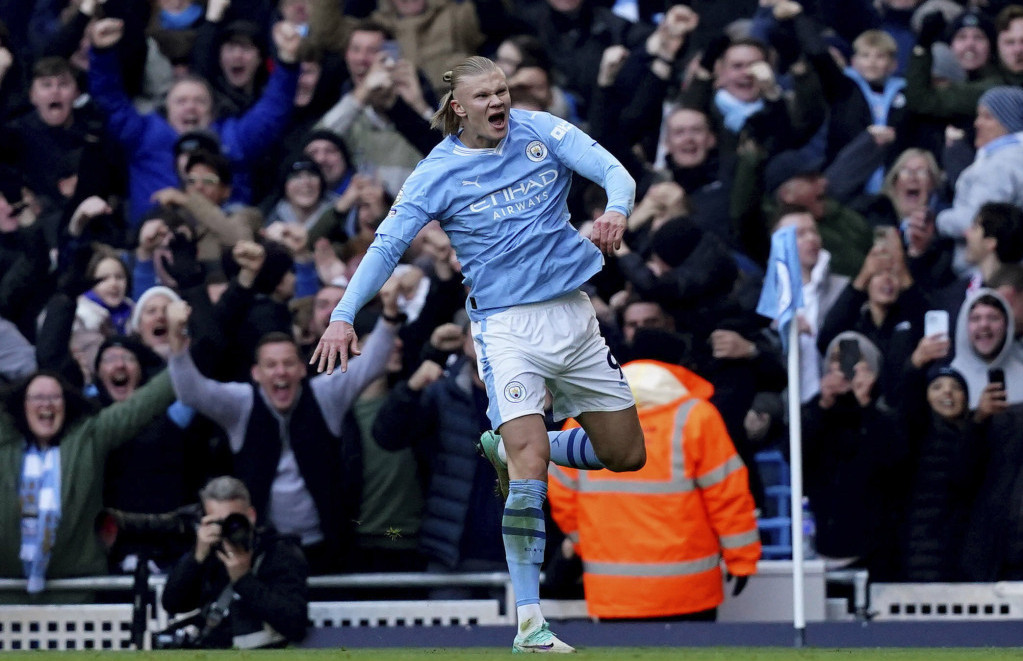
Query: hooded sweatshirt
[{"x": 974, "y": 368}]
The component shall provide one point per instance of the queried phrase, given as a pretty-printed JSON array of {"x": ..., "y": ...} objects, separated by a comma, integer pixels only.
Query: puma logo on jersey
[{"x": 475, "y": 182}]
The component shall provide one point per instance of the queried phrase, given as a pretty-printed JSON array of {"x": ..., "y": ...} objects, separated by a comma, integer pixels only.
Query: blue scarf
[
  {"x": 735, "y": 112},
  {"x": 880, "y": 104},
  {"x": 182, "y": 20},
  {"x": 40, "y": 512},
  {"x": 119, "y": 316}
]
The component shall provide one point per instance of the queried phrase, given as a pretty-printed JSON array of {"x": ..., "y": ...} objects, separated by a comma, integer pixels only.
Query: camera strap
[
  {"x": 221, "y": 608},
  {"x": 218, "y": 610}
]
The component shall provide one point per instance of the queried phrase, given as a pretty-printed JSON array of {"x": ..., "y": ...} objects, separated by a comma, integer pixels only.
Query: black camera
[
  {"x": 237, "y": 530},
  {"x": 161, "y": 537}
]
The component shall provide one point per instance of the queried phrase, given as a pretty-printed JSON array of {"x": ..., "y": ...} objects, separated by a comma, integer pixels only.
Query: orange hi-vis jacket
[{"x": 652, "y": 541}]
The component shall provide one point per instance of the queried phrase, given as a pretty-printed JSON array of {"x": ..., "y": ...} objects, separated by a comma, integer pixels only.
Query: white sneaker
[
  {"x": 540, "y": 641},
  {"x": 488, "y": 448}
]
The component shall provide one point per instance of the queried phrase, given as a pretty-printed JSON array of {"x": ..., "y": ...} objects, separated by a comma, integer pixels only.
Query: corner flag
[{"x": 782, "y": 294}]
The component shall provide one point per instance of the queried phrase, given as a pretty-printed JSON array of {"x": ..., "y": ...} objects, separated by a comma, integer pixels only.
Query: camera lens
[{"x": 237, "y": 530}]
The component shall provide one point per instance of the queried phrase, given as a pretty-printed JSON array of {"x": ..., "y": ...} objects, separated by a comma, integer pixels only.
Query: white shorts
[{"x": 556, "y": 345}]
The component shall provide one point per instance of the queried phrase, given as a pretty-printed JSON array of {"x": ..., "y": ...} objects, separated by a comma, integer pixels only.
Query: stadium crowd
[{"x": 221, "y": 167}]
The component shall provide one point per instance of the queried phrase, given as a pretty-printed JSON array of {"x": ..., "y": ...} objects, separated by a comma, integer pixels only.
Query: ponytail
[{"x": 445, "y": 118}]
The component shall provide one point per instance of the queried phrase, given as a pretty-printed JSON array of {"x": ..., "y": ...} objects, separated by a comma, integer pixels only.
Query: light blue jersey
[{"x": 505, "y": 212}]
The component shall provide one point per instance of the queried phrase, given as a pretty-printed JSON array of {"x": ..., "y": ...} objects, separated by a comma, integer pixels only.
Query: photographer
[{"x": 249, "y": 584}]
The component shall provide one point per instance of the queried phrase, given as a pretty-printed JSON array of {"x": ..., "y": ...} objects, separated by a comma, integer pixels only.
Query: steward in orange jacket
[{"x": 652, "y": 541}]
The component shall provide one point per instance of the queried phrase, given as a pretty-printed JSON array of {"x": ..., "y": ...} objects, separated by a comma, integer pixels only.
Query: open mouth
[
  {"x": 280, "y": 391},
  {"x": 159, "y": 331},
  {"x": 119, "y": 386},
  {"x": 498, "y": 120},
  {"x": 984, "y": 338}
]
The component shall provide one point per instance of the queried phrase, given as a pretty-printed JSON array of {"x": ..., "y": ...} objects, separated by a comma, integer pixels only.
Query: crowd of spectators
[{"x": 219, "y": 167}]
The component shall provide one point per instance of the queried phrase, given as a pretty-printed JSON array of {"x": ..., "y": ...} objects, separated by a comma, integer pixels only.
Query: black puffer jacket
[
  {"x": 948, "y": 458},
  {"x": 853, "y": 463},
  {"x": 994, "y": 542},
  {"x": 442, "y": 423}
]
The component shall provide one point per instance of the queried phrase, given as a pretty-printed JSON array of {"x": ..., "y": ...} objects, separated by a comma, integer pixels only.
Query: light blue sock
[
  {"x": 524, "y": 537},
  {"x": 572, "y": 448}
]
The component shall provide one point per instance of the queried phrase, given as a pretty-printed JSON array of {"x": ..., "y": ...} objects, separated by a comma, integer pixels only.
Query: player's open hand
[
  {"x": 607, "y": 231},
  {"x": 339, "y": 342}
]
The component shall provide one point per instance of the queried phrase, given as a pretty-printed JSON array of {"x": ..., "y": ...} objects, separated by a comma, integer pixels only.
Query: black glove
[
  {"x": 73, "y": 281},
  {"x": 931, "y": 29},
  {"x": 740, "y": 583},
  {"x": 713, "y": 52},
  {"x": 183, "y": 264}
]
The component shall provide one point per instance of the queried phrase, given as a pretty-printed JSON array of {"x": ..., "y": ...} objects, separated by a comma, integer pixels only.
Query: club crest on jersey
[
  {"x": 514, "y": 392},
  {"x": 536, "y": 151}
]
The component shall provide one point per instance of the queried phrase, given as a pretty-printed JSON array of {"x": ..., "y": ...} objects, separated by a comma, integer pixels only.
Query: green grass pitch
[{"x": 603, "y": 654}]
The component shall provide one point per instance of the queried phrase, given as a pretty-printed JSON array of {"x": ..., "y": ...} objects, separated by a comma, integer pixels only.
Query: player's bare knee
[
  {"x": 627, "y": 458},
  {"x": 635, "y": 458}
]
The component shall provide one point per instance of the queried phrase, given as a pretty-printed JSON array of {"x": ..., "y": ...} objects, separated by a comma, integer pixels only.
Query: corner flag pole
[
  {"x": 796, "y": 482},
  {"x": 780, "y": 299}
]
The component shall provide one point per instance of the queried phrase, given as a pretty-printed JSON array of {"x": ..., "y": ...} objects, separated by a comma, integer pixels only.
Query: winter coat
[
  {"x": 83, "y": 450},
  {"x": 974, "y": 368},
  {"x": 442, "y": 423},
  {"x": 148, "y": 140},
  {"x": 273, "y": 594},
  {"x": 436, "y": 40}
]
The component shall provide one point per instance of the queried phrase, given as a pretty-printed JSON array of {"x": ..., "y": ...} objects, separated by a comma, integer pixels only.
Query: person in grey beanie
[
  {"x": 1005, "y": 105},
  {"x": 996, "y": 174}
]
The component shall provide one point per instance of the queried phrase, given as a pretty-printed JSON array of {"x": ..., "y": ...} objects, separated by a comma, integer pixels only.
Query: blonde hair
[
  {"x": 445, "y": 118},
  {"x": 888, "y": 187},
  {"x": 876, "y": 39}
]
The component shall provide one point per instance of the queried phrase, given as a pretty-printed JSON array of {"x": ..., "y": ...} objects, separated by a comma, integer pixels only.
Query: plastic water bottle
[{"x": 809, "y": 531}]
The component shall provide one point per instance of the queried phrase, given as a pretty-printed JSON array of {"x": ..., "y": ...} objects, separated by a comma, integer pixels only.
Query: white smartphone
[{"x": 936, "y": 323}]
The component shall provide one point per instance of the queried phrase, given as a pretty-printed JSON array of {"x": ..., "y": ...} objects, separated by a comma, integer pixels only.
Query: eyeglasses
[
  {"x": 918, "y": 172},
  {"x": 113, "y": 358},
  {"x": 209, "y": 180},
  {"x": 44, "y": 399}
]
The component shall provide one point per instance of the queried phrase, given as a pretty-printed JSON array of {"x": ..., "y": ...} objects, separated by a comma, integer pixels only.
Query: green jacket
[
  {"x": 847, "y": 236},
  {"x": 83, "y": 452},
  {"x": 957, "y": 101}
]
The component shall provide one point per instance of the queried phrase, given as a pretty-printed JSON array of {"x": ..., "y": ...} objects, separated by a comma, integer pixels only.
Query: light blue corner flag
[{"x": 782, "y": 294}]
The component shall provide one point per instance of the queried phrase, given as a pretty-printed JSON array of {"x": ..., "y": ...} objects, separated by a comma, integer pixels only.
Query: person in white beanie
[{"x": 149, "y": 318}]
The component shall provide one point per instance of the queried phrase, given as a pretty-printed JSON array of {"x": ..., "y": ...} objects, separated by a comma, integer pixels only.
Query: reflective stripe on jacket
[{"x": 652, "y": 540}]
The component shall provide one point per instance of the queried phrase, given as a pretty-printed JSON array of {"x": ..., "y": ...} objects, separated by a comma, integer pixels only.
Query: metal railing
[{"x": 109, "y": 626}]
